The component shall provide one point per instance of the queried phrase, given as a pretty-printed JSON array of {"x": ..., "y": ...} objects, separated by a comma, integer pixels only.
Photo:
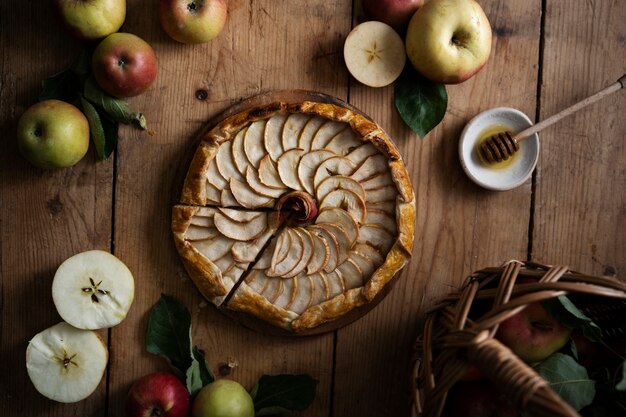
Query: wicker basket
[{"x": 451, "y": 342}]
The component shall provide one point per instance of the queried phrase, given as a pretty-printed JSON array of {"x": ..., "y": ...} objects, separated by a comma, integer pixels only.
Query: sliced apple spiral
[
  {"x": 93, "y": 290},
  {"x": 66, "y": 364}
]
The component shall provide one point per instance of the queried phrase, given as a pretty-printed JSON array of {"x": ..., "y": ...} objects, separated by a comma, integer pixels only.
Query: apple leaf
[
  {"x": 621, "y": 386},
  {"x": 63, "y": 86},
  {"x": 568, "y": 379},
  {"x": 198, "y": 374},
  {"x": 420, "y": 102},
  {"x": 276, "y": 394},
  {"x": 169, "y": 334},
  {"x": 103, "y": 130},
  {"x": 117, "y": 109},
  {"x": 562, "y": 309}
]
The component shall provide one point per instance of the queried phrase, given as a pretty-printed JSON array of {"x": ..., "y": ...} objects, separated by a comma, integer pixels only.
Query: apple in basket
[{"x": 533, "y": 334}]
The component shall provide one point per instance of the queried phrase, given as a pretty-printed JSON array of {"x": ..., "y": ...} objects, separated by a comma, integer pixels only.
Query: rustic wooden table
[{"x": 546, "y": 55}]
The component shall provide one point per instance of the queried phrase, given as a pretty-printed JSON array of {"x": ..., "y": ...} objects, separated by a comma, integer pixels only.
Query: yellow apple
[
  {"x": 91, "y": 19},
  {"x": 192, "y": 21}
]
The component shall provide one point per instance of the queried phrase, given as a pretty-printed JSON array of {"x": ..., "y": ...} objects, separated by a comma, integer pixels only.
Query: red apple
[
  {"x": 395, "y": 13},
  {"x": 478, "y": 399},
  {"x": 124, "y": 65},
  {"x": 192, "y": 21},
  {"x": 533, "y": 334},
  {"x": 159, "y": 394}
]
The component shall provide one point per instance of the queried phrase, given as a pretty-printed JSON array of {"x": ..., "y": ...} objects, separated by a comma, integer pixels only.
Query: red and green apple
[
  {"x": 192, "y": 21},
  {"x": 159, "y": 394}
]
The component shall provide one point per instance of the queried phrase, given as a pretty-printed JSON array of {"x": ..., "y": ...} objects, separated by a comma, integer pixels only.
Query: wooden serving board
[{"x": 261, "y": 100}]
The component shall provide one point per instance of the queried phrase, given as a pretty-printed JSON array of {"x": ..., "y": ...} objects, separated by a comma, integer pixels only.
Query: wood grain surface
[{"x": 546, "y": 55}]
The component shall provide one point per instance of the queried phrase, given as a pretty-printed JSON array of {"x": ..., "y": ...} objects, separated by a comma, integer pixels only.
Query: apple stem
[{"x": 156, "y": 412}]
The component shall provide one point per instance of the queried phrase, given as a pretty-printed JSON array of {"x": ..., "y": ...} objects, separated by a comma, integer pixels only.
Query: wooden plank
[
  {"x": 263, "y": 47},
  {"x": 579, "y": 217},
  {"x": 45, "y": 216},
  {"x": 459, "y": 226}
]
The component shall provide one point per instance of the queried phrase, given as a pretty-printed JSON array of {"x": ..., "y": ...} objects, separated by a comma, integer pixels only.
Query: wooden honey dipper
[{"x": 502, "y": 146}]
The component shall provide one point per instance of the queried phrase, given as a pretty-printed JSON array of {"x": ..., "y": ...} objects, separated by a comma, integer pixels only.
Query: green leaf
[
  {"x": 64, "y": 86},
  {"x": 169, "y": 334},
  {"x": 420, "y": 102},
  {"x": 562, "y": 309},
  {"x": 103, "y": 130},
  {"x": 568, "y": 379},
  {"x": 621, "y": 386},
  {"x": 198, "y": 374},
  {"x": 117, "y": 109},
  {"x": 280, "y": 393}
]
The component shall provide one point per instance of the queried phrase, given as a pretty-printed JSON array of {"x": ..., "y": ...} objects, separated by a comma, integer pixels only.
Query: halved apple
[
  {"x": 246, "y": 195},
  {"x": 371, "y": 167},
  {"x": 252, "y": 176},
  {"x": 287, "y": 164},
  {"x": 241, "y": 231},
  {"x": 374, "y": 54},
  {"x": 239, "y": 154},
  {"x": 308, "y": 165},
  {"x": 253, "y": 142},
  {"x": 346, "y": 200},
  {"x": 268, "y": 174},
  {"x": 320, "y": 256},
  {"x": 293, "y": 128},
  {"x": 225, "y": 163},
  {"x": 337, "y": 182},
  {"x": 308, "y": 133},
  {"x": 336, "y": 165},
  {"x": 273, "y": 135},
  {"x": 341, "y": 218},
  {"x": 344, "y": 142},
  {"x": 326, "y": 133}
]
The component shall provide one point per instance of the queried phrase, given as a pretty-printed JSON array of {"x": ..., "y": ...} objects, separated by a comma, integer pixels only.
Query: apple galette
[{"x": 295, "y": 213}]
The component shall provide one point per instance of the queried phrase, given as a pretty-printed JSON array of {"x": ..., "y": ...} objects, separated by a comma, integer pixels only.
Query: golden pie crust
[{"x": 231, "y": 189}]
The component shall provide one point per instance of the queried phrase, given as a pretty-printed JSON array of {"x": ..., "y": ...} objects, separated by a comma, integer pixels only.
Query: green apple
[
  {"x": 223, "y": 398},
  {"x": 124, "y": 65},
  {"x": 533, "y": 334},
  {"x": 91, "y": 19},
  {"x": 192, "y": 21},
  {"x": 53, "y": 134},
  {"x": 448, "y": 41}
]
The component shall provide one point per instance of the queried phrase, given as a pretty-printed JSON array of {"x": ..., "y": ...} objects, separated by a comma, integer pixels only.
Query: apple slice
[
  {"x": 335, "y": 282},
  {"x": 268, "y": 174},
  {"x": 383, "y": 219},
  {"x": 195, "y": 233},
  {"x": 344, "y": 142},
  {"x": 308, "y": 133},
  {"x": 378, "y": 181},
  {"x": 273, "y": 289},
  {"x": 282, "y": 248},
  {"x": 203, "y": 217},
  {"x": 351, "y": 273},
  {"x": 388, "y": 207},
  {"x": 256, "y": 280},
  {"x": 287, "y": 164},
  {"x": 343, "y": 241},
  {"x": 308, "y": 165},
  {"x": 346, "y": 200},
  {"x": 320, "y": 256},
  {"x": 265, "y": 261},
  {"x": 241, "y": 230},
  {"x": 332, "y": 244},
  {"x": 307, "y": 253},
  {"x": 239, "y": 154},
  {"x": 296, "y": 251},
  {"x": 341, "y": 218},
  {"x": 321, "y": 289},
  {"x": 371, "y": 167},
  {"x": 326, "y": 133},
  {"x": 273, "y": 135},
  {"x": 374, "y": 54},
  {"x": 370, "y": 253},
  {"x": 337, "y": 182},
  {"x": 66, "y": 364},
  {"x": 360, "y": 154},
  {"x": 293, "y": 128},
  {"x": 227, "y": 199},
  {"x": 252, "y": 177},
  {"x": 381, "y": 194},
  {"x": 303, "y": 295},
  {"x": 225, "y": 163},
  {"x": 288, "y": 294},
  {"x": 253, "y": 142},
  {"x": 374, "y": 235},
  {"x": 93, "y": 290},
  {"x": 212, "y": 194},
  {"x": 366, "y": 265},
  {"x": 337, "y": 165},
  {"x": 239, "y": 216},
  {"x": 214, "y": 177},
  {"x": 215, "y": 248},
  {"x": 246, "y": 195}
]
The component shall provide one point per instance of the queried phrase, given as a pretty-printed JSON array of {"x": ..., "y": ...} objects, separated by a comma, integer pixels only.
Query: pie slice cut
[{"x": 295, "y": 213}]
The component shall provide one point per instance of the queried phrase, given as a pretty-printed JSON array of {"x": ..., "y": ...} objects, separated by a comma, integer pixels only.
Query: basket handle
[{"x": 519, "y": 382}]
